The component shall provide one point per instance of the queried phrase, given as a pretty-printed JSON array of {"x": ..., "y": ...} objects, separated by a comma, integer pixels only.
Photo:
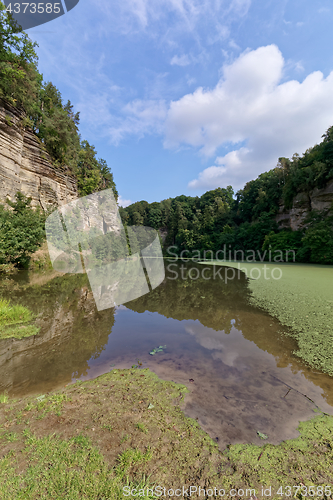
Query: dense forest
[{"x": 244, "y": 222}]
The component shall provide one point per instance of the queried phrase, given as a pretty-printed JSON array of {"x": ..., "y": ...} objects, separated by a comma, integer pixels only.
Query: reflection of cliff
[
  {"x": 26, "y": 167},
  {"x": 72, "y": 332}
]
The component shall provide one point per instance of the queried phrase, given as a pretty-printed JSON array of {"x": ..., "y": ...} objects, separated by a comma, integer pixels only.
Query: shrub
[
  {"x": 21, "y": 231},
  {"x": 318, "y": 239},
  {"x": 284, "y": 241}
]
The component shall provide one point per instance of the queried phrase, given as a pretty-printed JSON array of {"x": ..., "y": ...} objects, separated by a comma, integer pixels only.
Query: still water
[{"x": 235, "y": 359}]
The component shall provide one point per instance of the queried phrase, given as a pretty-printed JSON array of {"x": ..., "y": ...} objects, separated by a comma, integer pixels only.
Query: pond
[{"x": 235, "y": 359}]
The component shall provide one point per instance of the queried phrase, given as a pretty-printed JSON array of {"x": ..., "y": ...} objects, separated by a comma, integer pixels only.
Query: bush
[
  {"x": 21, "y": 231},
  {"x": 285, "y": 241},
  {"x": 318, "y": 239}
]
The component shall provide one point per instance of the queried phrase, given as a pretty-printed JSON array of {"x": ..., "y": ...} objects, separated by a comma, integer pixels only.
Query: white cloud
[
  {"x": 210, "y": 176},
  {"x": 324, "y": 10},
  {"x": 240, "y": 7},
  {"x": 191, "y": 81},
  {"x": 141, "y": 15},
  {"x": 250, "y": 105},
  {"x": 139, "y": 117},
  {"x": 123, "y": 203},
  {"x": 180, "y": 60},
  {"x": 233, "y": 45},
  {"x": 299, "y": 66}
]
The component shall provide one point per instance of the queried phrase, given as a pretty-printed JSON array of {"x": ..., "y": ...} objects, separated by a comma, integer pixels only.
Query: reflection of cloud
[
  {"x": 232, "y": 349},
  {"x": 121, "y": 308}
]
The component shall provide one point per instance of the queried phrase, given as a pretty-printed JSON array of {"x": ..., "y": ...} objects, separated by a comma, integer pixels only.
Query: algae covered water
[{"x": 197, "y": 329}]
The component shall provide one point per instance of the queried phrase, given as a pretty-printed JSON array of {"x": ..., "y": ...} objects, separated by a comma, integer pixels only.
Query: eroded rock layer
[
  {"x": 25, "y": 166},
  {"x": 303, "y": 203}
]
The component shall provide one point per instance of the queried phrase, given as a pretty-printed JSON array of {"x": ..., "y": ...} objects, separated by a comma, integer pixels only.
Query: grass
[
  {"x": 14, "y": 319},
  {"x": 302, "y": 300},
  {"x": 10, "y": 315},
  {"x": 3, "y": 398},
  {"x": 80, "y": 455},
  {"x": 142, "y": 427},
  {"x": 71, "y": 468}
]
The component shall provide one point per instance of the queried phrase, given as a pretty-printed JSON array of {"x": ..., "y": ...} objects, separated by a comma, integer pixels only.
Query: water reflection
[
  {"x": 244, "y": 376},
  {"x": 72, "y": 332}
]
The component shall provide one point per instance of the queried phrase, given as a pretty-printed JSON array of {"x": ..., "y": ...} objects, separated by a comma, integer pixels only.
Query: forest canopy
[{"x": 245, "y": 220}]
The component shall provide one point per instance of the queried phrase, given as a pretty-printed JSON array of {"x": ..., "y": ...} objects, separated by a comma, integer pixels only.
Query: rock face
[
  {"x": 318, "y": 199},
  {"x": 26, "y": 167}
]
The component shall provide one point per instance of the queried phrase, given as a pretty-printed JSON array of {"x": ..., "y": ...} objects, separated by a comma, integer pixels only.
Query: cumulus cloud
[
  {"x": 253, "y": 113},
  {"x": 123, "y": 203}
]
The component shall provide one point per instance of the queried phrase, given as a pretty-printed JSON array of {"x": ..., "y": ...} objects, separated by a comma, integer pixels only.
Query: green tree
[
  {"x": 93, "y": 174},
  {"x": 19, "y": 79},
  {"x": 21, "y": 231}
]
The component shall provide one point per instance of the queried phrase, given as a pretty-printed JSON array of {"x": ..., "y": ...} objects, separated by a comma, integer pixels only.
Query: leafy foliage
[
  {"x": 286, "y": 240},
  {"x": 93, "y": 174},
  {"x": 19, "y": 79},
  {"x": 21, "y": 231},
  {"x": 313, "y": 170},
  {"x": 318, "y": 238},
  {"x": 54, "y": 122}
]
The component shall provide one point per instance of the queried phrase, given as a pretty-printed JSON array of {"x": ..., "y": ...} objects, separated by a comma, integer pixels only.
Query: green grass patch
[
  {"x": 13, "y": 319},
  {"x": 72, "y": 468},
  {"x": 10, "y": 315},
  {"x": 4, "y": 398}
]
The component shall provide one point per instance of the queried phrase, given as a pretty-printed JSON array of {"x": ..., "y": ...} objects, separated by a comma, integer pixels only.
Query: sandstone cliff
[
  {"x": 26, "y": 167},
  {"x": 317, "y": 199}
]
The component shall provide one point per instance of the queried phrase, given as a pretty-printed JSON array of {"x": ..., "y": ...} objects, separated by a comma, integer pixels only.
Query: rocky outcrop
[
  {"x": 303, "y": 203},
  {"x": 25, "y": 166}
]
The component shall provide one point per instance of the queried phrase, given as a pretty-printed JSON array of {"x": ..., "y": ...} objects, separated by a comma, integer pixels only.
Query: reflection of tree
[
  {"x": 211, "y": 301},
  {"x": 72, "y": 332},
  {"x": 215, "y": 304}
]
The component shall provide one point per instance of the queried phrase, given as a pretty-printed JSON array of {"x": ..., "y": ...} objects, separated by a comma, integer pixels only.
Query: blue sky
[{"x": 183, "y": 96}]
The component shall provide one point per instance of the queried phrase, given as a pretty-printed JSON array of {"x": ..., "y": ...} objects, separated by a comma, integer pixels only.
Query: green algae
[
  {"x": 300, "y": 296},
  {"x": 306, "y": 460}
]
